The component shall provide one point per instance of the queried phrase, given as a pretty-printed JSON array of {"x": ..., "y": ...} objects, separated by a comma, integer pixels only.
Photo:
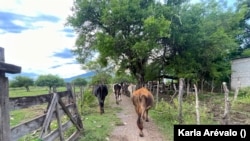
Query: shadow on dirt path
[{"x": 129, "y": 131}]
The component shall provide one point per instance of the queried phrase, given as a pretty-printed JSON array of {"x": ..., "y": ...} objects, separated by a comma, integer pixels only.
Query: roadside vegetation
[
  {"x": 165, "y": 114},
  {"x": 98, "y": 127},
  {"x": 211, "y": 108}
]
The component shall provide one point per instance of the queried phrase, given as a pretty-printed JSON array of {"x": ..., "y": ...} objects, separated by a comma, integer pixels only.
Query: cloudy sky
[{"x": 33, "y": 35}]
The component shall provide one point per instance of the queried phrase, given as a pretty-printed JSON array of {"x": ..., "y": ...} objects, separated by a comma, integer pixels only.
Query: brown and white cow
[{"x": 143, "y": 100}]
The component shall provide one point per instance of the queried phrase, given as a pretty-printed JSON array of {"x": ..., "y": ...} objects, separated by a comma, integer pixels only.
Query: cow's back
[
  {"x": 141, "y": 93},
  {"x": 104, "y": 90},
  {"x": 117, "y": 87},
  {"x": 101, "y": 90}
]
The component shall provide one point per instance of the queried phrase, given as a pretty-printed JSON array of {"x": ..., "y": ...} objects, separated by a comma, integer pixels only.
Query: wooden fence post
[
  {"x": 4, "y": 96},
  {"x": 226, "y": 117},
  {"x": 157, "y": 94},
  {"x": 180, "y": 100}
]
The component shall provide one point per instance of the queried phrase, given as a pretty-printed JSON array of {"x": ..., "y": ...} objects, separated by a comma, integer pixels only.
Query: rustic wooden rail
[
  {"x": 56, "y": 109},
  {"x": 59, "y": 104}
]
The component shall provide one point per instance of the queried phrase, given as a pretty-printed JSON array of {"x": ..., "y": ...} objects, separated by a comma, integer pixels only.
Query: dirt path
[{"x": 129, "y": 130}]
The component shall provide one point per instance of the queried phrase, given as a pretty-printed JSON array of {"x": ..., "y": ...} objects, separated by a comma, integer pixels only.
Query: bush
[
  {"x": 88, "y": 101},
  {"x": 243, "y": 92}
]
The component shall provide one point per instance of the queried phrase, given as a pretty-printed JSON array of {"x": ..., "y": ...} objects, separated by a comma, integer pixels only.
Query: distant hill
[{"x": 85, "y": 76}]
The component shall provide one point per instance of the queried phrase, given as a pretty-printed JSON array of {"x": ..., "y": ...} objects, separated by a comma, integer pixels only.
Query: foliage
[
  {"x": 123, "y": 78},
  {"x": 243, "y": 96},
  {"x": 80, "y": 82},
  {"x": 22, "y": 81},
  {"x": 244, "y": 37},
  {"x": 123, "y": 31},
  {"x": 87, "y": 102},
  {"x": 205, "y": 41},
  {"x": 101, "y": 78},
  {"x": 166, "y": 115},
  {"x": 97, "y": 127},
  {"x": 50, "y": 81},
  {"x": 148, "y": 38},
  {"x": 246, "y": 53}
]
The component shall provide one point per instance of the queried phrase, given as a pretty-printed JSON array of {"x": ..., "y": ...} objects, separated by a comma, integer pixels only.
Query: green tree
[
  {"x": 123, "y": 31},
  {"x": 50, "y": 81},
  {"x": 244, "y": 38},
  {"x": 123, "y": 77},
  {"x": 201, "y": 45},
  {"x": 177, "y": 38},
  {"x": 22, "y": 81},
  {"x": 101, "y": 78},
  {"x": 80, "y": 82}
]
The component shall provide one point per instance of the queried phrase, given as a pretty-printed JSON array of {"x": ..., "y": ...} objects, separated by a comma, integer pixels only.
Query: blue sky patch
[
  {"x": 16, "y": 23},
  {"x": 66, "y": 53}
]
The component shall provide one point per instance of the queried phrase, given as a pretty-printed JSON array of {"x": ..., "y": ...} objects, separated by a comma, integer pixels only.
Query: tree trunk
[
  {"x": 27, "y": 88},
  {"x": 212, "y": 86}
]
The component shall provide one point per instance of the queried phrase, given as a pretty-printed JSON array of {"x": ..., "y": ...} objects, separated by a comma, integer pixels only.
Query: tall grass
[{"x": 165, "y": 115}]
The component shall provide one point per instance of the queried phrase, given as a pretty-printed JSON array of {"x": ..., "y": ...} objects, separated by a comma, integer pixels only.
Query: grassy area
[
  {"x": 19, "y": 92},
  {"x": 18, "y": 116},
  {"x": 98, "y": 127},
  {"x": 211, "y": 108},
  {"x": 26, "y": 114}
]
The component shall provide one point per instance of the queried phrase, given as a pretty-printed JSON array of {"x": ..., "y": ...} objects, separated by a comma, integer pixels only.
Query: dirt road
[{"x": 129, "y": 130}]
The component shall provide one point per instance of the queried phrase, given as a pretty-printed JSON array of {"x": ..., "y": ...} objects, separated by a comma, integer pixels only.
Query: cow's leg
[
  {"x": 116, "y": 97},
  {"x": 101, "y": 105},
  {"x": 140, "y": 125},
  {"x": 146, "y": 115},
  {"x": 143, "y": 108},
  {"x": 120, "y": 96}
]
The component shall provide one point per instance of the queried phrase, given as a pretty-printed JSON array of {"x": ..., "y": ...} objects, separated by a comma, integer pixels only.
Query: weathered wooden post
[
  {"x": 226, "y": 116},
  {"x": 4, "y": 96},
  {"x": 180, "y": 100}
]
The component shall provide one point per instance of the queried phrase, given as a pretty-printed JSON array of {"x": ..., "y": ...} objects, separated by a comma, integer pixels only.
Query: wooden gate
[{"x": 59, "y": 104}]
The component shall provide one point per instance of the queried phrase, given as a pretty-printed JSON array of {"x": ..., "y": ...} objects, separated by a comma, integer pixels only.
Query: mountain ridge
[{"x": 86, "y": 76}]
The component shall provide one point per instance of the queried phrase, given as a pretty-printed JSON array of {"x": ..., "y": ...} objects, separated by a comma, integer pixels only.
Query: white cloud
[
  {"x": 33, "y": 49},
  {"x": 58, "y": 8}
]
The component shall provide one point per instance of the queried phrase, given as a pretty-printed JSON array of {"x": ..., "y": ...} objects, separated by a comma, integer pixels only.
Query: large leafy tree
[
  {"x": 22, "y": 81},
  {"x": 176, "y": 38},
  {"x": 201, "y": 45},
  {"x": 126, "y": 32},
  {"x": 244, "y": 49},
  {"x": 50, "y": 81}
]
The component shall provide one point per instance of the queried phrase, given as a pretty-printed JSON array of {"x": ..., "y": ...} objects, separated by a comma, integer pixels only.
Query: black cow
[
  {"x": 117, "y": 91},
  {"x": 101, "y": 91}
]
